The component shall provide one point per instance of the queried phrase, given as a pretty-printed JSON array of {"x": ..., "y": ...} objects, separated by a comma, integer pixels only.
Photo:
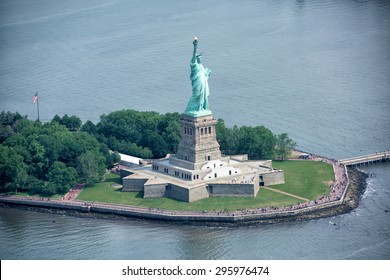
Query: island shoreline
[{"x": 356, "y": 187}]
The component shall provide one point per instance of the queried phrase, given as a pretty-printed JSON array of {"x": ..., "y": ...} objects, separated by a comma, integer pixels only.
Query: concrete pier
[{"x": 377, "y": 157}]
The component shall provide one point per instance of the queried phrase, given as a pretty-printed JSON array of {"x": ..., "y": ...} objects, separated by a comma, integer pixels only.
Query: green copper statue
[{"x": 199, "y": 102}]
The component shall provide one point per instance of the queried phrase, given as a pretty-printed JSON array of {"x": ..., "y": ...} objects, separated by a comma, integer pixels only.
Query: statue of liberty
[{"x": 199, "y": 103}]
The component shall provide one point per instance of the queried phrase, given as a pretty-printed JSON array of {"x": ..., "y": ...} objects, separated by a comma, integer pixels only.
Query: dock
[{"x": 366, "y": 159}]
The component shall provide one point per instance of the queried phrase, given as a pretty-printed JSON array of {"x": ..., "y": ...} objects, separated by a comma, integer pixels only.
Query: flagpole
[
  {"x": 38, "y": 108},
  {"x": 38, "y": 105}
]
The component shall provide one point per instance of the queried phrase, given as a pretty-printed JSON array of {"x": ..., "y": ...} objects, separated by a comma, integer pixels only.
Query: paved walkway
[
  {"x": 74, "y": 192},
  {"x": 285, "y": 193}
]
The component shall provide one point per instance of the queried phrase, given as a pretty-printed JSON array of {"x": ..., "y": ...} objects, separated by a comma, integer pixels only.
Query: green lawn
[
  {"x": 303, "y": 178},
  {"x": 103, "y": 192},
  {"x": 309, "y": 179}
]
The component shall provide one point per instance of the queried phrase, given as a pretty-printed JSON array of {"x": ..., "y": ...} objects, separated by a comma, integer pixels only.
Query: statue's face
[{"x": 199, "y": 59}]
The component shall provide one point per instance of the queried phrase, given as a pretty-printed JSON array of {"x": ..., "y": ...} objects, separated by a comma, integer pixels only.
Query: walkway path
[
  {"x": 285, "y": 193},
  {"x": 74, "y": 192}
]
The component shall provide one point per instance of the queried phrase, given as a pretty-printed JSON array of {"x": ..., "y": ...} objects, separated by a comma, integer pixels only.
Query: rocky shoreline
[{"x": 357, "y": 185}]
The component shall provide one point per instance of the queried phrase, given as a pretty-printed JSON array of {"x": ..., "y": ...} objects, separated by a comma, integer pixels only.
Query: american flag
[{"x": 35, "y": 98}]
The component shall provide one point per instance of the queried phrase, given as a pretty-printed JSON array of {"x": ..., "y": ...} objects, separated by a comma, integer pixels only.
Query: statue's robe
[{"x": 200, "y": 88}]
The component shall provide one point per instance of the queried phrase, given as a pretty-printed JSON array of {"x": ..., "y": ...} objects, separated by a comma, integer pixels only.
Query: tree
[
  {"x": 62, "y": 177},
  {"x": 110, "y": 157},
  {"x": 89, "y": 127},
  {"x": 6, "y": 131},
  {"x": 124, "y": 125},
  {"x": 8, "y": 118},
  {"x": 73, "y": 144},
  {"x": 34, "y": 185},
  {"x": 39, "y": 164},
  {"x": 27, "y": 127},
  {"x": 155, "y": 141},
  {"x": 115, "y": 157},
  {"x": 138, "y": 133},
  {"x": 13, "y": 171},
  {"x": 249, "y": 142},
  {"x": 284, "y": 146},
  {"x": 48, "y": 189},
  {"x": 134, "y": 149},
  {"x": 227, "y": 138},
  {"x": 42, "y": 158},
  {"x": 168, "y": 127},
  {"x": 65, "y": 120},
  {"x": 70, "y": 149},
  {"x": 91, "y": 167},
  {"x": 258, "y": 142},
  {"x": 73, "y": 124},
  {"x": 57, "y": 119}
]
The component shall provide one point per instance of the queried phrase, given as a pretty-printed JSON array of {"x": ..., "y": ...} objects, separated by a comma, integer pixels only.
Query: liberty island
[{"x": 199, "y": 170}]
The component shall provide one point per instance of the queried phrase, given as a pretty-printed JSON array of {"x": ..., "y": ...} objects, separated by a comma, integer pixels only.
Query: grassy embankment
[
  {"x": 307, "y": 179},
  {"x": 21, "y": 193}
]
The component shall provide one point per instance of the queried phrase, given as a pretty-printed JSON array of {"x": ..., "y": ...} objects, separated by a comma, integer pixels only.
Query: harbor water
[{"x": 318, "y": 70}]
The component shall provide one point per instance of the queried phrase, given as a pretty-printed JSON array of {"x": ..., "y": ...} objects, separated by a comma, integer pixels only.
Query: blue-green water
[{"x": 318, "y": 70}]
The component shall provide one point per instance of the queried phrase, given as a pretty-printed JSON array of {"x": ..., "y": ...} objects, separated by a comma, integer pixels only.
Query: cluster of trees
[
  {"x": 141, "y": 134},
  {"x": 73, "y": 123},
  {"x": 154, "y": 135},
  {"x": 258, "y": 142},
  {"x": 50, "y": 157}
]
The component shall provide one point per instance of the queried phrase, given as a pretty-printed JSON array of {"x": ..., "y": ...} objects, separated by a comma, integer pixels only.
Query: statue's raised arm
[
  {"x": 198, "y": 104},
  {"x": 195, "y": 42}
]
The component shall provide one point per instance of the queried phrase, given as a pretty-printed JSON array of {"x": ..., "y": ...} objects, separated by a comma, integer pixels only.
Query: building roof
[{"x": 130, "y": 159}]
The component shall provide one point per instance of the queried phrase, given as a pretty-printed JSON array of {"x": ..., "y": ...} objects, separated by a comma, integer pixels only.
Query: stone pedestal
[{"x": 198, "y": 143}]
